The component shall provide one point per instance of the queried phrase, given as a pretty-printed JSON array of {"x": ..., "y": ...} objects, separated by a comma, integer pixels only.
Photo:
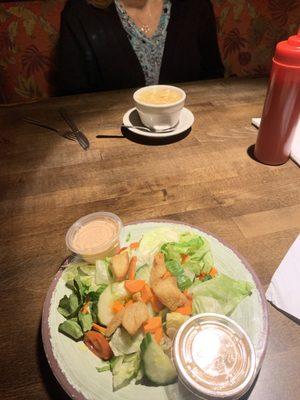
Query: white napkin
[
  {"x": 284, "y": 289},
  {"x": 295, "y": 150}
]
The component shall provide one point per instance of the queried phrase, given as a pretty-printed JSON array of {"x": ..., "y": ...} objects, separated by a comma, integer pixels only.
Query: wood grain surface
[{"x": 208, "y": 178}]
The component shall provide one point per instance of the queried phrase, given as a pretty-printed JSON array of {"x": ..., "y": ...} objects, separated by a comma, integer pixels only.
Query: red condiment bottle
[{"x": 282, "y": 105}]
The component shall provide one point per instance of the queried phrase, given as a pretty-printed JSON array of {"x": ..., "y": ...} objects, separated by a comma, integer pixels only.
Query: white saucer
[{"x": 186, "y": 120}]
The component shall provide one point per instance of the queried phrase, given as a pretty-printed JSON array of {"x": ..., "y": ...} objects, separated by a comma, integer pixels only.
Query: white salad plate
[
  {"x": 74, "y": 365},
  {"x": 186, "y": 120}
]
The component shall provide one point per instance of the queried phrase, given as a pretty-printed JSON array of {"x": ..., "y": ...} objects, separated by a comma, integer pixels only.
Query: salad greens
[
  {"x": 143, "y": 273},
  {"x": 71, "y": 328},
  {"x": 69, "y": 306},
  {"x": 105, "y": 367},
  {"x": 81, "y": 281},
  {"x": 122, "y": 343},
  {"x": 124, "y": 369},
  {"x": 103, "y": 274},
  {"x": 85, "y": 321},
  {"x": 221, "y": 294},
  {"x": 191, "y": 252},
  {"x": 154, "y": 239},
  {"x": 95, "y": 308}
]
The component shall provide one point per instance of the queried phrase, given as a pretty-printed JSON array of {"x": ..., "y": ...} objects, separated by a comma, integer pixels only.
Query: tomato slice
[{"x": 98, "y": 344}]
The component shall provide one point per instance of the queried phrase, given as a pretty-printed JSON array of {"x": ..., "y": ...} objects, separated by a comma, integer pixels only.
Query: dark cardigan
[{"x": 94, "y": 53}]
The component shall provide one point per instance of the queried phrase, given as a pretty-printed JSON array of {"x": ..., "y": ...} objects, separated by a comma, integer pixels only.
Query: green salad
[{"x": 128, "y": 308}]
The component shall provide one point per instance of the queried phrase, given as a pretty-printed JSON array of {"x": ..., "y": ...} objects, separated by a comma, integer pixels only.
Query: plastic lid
[
  {"x": 288, "y": 51},
  {"x": 214, "y": 357}
]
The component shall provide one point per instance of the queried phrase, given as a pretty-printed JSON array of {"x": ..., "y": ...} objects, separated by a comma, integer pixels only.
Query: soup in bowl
[{"x": 159, "y": 106}]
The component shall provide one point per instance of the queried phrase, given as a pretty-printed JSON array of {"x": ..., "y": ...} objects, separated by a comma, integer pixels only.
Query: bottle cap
[{"x": 288, "y": 51}]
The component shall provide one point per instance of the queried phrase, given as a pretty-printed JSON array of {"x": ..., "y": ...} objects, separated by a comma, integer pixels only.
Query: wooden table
[{"x": 207, "y": 179}]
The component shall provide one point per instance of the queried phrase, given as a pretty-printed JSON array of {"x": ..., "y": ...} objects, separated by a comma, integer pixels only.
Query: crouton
[
  {"x": 168, "y": 293},
  {"x": 158, "y": 269},
  {"x": 119, "y": 266},
  {"x": 115, "y": 323},
  {"x": 137, "y": 296},
  {"x": 134, "y": 316}
]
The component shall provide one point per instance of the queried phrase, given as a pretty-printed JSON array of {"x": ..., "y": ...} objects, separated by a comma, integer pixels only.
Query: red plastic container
[{"x": 282, "y": 105}]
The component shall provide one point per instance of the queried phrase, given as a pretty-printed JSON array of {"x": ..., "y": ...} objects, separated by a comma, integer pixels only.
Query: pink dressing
[{"x": 95, "y": 234}]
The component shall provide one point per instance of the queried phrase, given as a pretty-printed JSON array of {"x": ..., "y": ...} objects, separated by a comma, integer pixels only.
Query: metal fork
[
  {"x": 80, "y": 137},
  {"x": 66, "y": 134}
]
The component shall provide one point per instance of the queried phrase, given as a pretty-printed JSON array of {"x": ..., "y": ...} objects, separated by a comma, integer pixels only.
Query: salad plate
[{"x": 75, "y": 366}]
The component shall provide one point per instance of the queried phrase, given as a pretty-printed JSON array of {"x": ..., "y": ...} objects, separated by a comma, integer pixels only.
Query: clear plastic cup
[
  {"x": 95, "y": 236},
  {"x": 214, "y": 357}
]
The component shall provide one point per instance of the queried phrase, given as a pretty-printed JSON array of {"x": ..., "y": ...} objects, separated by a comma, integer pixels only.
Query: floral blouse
[{"x": 149, "y": 51}]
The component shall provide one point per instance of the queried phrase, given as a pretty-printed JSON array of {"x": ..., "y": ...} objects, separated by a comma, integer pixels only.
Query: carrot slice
[
  {"x": 156, "y": 304},
  {"x": 85, "y": 308},
  {"x": 99, "y": 328},
  {"x": 133, "y": 286},
  {"x": 152, "y": 324},
  {"x": 184, "y": 258},
  {"x": 132, "y": 268},
  {"x": 201, "y": 276},
  {"x": 135, "y": 245},
  {"x": 158, "y": 335},
  {"x": 146, "y": 293},
  {"x": 167, "y": 274},
  {"x": 186, "y": 309},
  {"x": 213, "y": 272},
  {"x": 98, "y": 344},
  {"x": 117, "y": 306}
]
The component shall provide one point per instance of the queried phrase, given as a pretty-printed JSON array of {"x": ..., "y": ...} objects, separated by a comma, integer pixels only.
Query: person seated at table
[{"x": 106, "y": 44}]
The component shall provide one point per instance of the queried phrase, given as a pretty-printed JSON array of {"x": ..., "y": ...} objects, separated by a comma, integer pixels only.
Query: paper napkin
[
  {"x": 295, "y": 150},
  {"x": 284, "y": 289}
]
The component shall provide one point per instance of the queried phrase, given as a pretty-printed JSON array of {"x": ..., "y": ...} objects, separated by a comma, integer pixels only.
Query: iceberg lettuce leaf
[
  {"x": 125, "y": 369},
  {"x": 194, "y": 249},
  {"x": 122, "y": 343},
  {"x": 221, "y": 294},
  {"x": 153, "y": 240}
]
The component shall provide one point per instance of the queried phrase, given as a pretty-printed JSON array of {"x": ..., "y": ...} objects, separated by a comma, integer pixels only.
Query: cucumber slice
[
  {"x": 157, "y": 365},
  {"x": 113, "y": 292},
  {"x": 143, "y": 273},
  {"x": 105, "y": 302}
]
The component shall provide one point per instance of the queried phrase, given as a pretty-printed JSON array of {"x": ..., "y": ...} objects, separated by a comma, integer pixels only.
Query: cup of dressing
[
  {"x": 214, "y": 357},
  {"x": 95, "y": 236}
]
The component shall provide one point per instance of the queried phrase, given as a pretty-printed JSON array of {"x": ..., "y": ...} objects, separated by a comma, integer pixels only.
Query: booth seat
[{"x": 248, "y": 31}]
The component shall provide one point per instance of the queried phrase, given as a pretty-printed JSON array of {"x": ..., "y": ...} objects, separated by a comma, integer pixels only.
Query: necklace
[{"x": 145, "y": 27}]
